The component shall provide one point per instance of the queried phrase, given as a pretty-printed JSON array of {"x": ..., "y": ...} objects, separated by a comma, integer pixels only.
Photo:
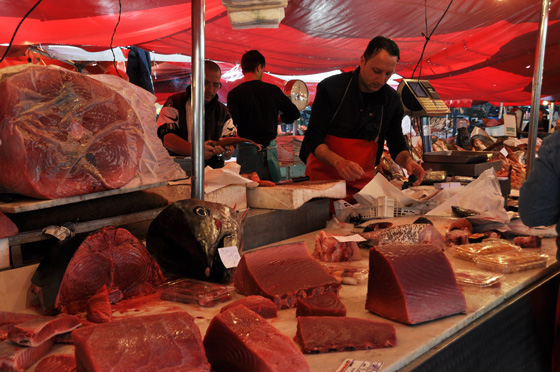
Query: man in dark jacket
[
  {"x": 175, "y": 128},
  {"x": 257, "y": 108},
  {"x": 352, "y": 116}
]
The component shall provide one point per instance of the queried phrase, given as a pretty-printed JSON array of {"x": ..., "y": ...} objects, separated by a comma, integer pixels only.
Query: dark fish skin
[
  {"x": 416, "y": 233},
  {"x": 184, "y": 238},
  {"x": 463, "y": 212}
]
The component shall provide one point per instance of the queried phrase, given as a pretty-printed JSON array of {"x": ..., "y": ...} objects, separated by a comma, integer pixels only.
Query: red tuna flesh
[
  {"x": 57, "y": 363},
  {"x": 35, "y": 332},
  {"x": 14, "y": 357},
  {"x": 7, "y": 227},
  {"x": 9, "y": 319},
  {"x": 65, "y": 134},
  {"x": 168, "y": 342},
  {"x": 99, "y": 307},
  {"x": 320, "y": 334},
  {"x": 240, "y": 340},
  {"x": 259, "y": 304},
  {"x": 283, "y": 273},
  {"x": 412, "y": 284},
  {"x": 325, "y": 304},
  {"x": 113, "y": 257}
]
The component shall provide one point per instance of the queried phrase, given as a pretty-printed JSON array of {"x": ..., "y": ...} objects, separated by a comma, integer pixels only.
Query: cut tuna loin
[
  {"x": 7, "y": 227},
  {"x": 325, "y": 304},
  {"x": 99, "y": 307},
  {"x": 240, "y": 340},
  {"x": 320, "y": 334},
  {"x": 14, "y": 357},
  {"x": 57, "y": 363},
  {"x": 63, "y": 134},
  {"x": 35, "y": 332},
  {"x": 412, "y": 284},
  {"x": 166, "y": 342},
  {"x": 283, "y": 273},
  {"x": 113, "y": 257},
  {"x": 259, "y": 304},
  {"x": 329, "y": 249}
]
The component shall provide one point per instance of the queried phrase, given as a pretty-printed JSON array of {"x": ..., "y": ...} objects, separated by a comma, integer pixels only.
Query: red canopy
[{"x": 481, "y": 50}]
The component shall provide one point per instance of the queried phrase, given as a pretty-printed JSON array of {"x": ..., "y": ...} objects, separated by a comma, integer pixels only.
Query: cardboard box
[{"x": 507, "y": 129}]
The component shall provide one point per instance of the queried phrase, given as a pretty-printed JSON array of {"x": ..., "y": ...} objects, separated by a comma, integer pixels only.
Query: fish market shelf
[
  {"x": 504, "y": 328},
  {"x": 16, "y": 241},
  {"x": 17, "y": 203}
]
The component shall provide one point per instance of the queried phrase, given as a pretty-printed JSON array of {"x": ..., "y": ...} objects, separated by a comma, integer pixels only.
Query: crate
[{"x": 386, "y": 207}]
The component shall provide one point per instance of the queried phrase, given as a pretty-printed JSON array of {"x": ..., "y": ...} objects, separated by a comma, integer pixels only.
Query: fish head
[{"x": 185, "y": 238}]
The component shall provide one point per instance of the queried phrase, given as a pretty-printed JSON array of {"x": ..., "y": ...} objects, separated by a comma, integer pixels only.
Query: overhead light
[{"x": 243, "y": 14}]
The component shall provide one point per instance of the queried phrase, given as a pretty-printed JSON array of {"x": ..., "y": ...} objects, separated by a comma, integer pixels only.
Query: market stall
[{"x": 488, "y": 315}]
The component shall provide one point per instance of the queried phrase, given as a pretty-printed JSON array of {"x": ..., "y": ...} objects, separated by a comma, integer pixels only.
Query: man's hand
[
  {"x": 349, "y": 170},
  {"x": 210, "y": 149}
]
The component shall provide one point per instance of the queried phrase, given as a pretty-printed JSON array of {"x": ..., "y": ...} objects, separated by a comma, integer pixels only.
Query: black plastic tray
[{"x": 457, "y": 157}]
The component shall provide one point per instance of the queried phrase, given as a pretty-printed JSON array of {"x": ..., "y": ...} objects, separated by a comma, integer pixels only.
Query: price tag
[
  {"x": 351, "y": 365},
  {"x": 350, "y": 238},
  {"x": 229, "y": 256},
  {"x": 504, "y": 152}
]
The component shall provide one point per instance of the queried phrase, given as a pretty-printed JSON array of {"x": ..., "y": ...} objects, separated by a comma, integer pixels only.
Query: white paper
[
  {"x": 230, "y": 256},
  {"x": 215, "y": 179},
  {"x": 379, "y": 186},
  {"x": 349, "y": 238}
]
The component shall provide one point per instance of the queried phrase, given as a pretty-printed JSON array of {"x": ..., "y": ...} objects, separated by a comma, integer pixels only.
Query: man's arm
[{"x": 348, "y": 170}]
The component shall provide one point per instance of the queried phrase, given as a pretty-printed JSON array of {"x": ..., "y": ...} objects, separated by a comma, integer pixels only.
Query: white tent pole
[
  {"x": 197, "y": 100},
  {"x": 537, "y": 82}
]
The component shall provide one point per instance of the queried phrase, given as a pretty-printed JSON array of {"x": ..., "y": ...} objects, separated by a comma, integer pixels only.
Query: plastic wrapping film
[{"x": 65, "y": 134}]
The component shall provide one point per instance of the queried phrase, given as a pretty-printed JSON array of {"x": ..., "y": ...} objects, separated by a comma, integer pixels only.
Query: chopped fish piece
[
  {"x": 259, "y": 304},
  {"x": 35, "y": 332},
  {"x": 283, "y": 273},
  {"x": 57, "y": 363},
  {"x": 412, "y": 284},
  {"x": 325, "y": 304},
  {"x": 320, "y": 334},
  {"x": 14, "y": 357},
  {"x": 167, "y": 342},
  {"x": 329, "y": 249},
  {"x": 240, "y": 340},
  {"x": 414, "y": 233},
  {"x": 99, "y": 307}
]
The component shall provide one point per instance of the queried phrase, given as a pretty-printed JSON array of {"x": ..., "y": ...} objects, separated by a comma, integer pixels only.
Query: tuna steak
[
  {"x": 63, "y": 133},
  {"x": 283, "y": 273},
  {"x": 111, "y": 256},
  {"x": 412, "y": 284},
  {"x": 168, "y": 342},
  {"x": 240, "y": 340},
  {"x": 57, "y": 363},
  {"x": 14, "y": 357},
  {"x": 325, "y": 304},
  {"x": 7, "y": 227},
  {"x": 259, "y": 304},
  {"x": 185, "y": 237},
  {"x": 320, "y": 334},
  {"x": 414, "y": 233},
  {"x": 35, "y": 332},
  {"x": 99, "y": 307}
]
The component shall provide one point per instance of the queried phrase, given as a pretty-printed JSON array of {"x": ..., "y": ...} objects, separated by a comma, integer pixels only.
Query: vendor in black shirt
[
  {"x": 257, "y": 108},
  {"x": 353, "y": 114}
]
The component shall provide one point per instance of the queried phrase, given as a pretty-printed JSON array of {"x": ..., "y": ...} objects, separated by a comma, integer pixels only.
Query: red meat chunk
[
  {"x": 412, "y": 284},
  {"x": 240, "y": 340},
  {"x": 320, "y": 334},
  {"x": 283, "y": 273},
  {"x": 99, "y": 307},
  {"x": 166, "y": 342},
  {"x": 57, "y": 363},
  {"x": 63, "y": 134},
  {"x": 259, "y": 304},
  {"x": 14, "y": 357},
  {"x": 35, "y": 332},
  {"x": 325, "y": 304}
]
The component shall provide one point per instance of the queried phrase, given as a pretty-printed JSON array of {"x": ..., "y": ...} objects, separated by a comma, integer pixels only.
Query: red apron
[{"x": 359, "y": 151}]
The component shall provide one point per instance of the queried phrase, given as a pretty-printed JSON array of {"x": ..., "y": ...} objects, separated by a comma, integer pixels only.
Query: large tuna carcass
[
  {"x": 64, "y": 134},
  {"x": 77, "y": 268}
]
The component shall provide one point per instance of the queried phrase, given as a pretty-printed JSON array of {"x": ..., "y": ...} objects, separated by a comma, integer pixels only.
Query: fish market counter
[{"x": 509, "y": 326}]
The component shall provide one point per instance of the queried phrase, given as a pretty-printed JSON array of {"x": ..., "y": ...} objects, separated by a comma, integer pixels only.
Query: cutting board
[{"x": 293, "y": 195}]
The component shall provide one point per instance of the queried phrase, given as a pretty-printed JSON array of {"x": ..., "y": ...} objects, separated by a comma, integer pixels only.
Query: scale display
[{"x": 419, "y": 98}]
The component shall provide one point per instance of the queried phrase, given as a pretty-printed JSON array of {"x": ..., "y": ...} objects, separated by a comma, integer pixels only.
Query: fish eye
[{"x": 200, "y": 211}]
